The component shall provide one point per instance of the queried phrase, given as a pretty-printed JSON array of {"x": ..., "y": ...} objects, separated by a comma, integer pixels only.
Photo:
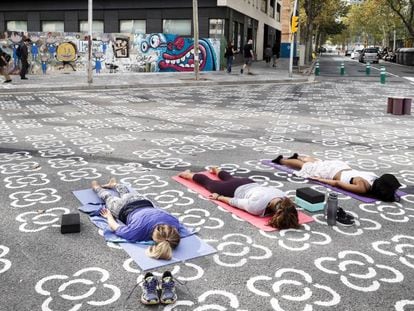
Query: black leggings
[{"x": 226, "y": 186}]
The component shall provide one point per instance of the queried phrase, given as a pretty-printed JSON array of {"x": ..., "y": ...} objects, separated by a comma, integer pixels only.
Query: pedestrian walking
[
  {"x": 229, "y": 55},
  {"x": 248, "y": 57},
  {"x": 268, "y": 54},
  {"x": 275, "y": 54},
  {"x": 4, "y": 61},
  {"x": 24, "y": 55}
]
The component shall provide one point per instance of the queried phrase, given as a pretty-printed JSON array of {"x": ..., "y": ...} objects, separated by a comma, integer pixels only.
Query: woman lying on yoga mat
[
  {"x": 247, "y": 195},
  {"x": 339, "y": 174},
  {"x": 143, "y": 221}
]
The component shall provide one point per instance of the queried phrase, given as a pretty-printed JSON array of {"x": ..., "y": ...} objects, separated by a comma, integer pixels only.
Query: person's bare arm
[
  {"x": 111, "y": 220},
  {"x": 222, "y": 198},
  {"x": 359, "y": 187}
]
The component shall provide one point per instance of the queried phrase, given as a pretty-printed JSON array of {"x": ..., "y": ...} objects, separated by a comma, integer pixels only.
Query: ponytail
[
  {"x": 166, "y": 238},
  {"x": 286, "y": 215}
]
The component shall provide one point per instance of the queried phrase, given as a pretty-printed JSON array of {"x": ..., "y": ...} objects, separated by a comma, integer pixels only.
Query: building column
[{"x": 260, "y": 40}]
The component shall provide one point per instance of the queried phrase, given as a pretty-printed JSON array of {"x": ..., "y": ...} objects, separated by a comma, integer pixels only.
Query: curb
[{"x": 49, "y": 88}]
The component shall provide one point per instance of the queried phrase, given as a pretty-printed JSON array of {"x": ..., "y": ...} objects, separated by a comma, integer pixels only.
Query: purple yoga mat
[{"x": 351, "y": 194}]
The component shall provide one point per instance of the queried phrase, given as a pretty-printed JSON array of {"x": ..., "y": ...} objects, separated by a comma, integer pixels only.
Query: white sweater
[{"x": 253, "y": 198}]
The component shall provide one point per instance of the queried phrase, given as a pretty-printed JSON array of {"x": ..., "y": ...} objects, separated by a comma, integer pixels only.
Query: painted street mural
[{"x": 53, "y": 52}]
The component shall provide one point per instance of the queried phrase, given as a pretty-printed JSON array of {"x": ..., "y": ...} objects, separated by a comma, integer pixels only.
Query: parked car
[
  {"x": 348, "y": 52},
  {"x": 369, "y": 55},
  {"x": 355, "y": 54}
]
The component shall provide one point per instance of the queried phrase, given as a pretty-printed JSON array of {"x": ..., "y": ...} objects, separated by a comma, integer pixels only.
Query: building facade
[{"x": 236, "y": 20}]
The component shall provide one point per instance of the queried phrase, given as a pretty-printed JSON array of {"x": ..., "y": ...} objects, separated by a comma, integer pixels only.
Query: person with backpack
[
  {"x": 229, "y": 55},
  {"x": 24, "y": 56},
  {"x": 4, "y": 61}
]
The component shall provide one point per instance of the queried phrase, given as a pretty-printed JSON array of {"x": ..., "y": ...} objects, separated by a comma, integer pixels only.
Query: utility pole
[
  {"x": 292, "y": 40},
  {"x": 90, "y": 20},
  {"x": 196, "y": 50}
]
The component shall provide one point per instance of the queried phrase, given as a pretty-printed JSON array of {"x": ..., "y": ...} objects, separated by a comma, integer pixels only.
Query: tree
[{"x": 405, "y": 11}]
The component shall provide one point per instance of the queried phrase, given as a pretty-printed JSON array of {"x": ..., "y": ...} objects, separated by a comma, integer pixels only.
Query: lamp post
[
  {"x": 196, "y": 50},
  {"x": 292, "y": 39},
  {"x": 90, "y": 17}
]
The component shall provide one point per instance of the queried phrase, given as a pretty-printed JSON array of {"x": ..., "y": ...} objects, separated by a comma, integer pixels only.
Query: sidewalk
[{"x": 78, "y": 80}]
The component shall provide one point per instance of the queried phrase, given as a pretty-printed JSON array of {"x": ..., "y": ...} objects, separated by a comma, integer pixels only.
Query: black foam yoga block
[
  {"x": 70, "y": 223},
  {"x": 310, "y": 195}
]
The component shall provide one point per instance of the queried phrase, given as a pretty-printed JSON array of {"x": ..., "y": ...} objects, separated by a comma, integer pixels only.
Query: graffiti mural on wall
[{"x": 54, "y": 52}]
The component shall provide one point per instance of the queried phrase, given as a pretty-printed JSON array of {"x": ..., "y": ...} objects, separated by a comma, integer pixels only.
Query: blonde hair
[
  {"x": 166, "y": 238},
  {"x": 286, "y": 215}
]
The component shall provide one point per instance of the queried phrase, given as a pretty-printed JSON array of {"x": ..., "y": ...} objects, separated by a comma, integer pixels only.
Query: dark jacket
[{"x": 24, "y": 52}]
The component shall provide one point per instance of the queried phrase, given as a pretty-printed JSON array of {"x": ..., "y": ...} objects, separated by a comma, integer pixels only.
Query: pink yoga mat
[{"x": 259, "y": 222}]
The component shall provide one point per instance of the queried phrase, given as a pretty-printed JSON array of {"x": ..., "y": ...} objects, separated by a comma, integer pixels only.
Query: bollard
[
  {"x": 383, "y": 75},
  {"x": 317, "y": 70},
  {"x": 342, "y": 69},
  {"x": 368, "y": 69}
]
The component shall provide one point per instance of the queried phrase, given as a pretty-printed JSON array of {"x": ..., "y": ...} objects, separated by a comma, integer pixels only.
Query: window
[
  {"x": 17, "y": 25},
  {"x": 216, "y": 29},
  {"x": 263, "y": 6},
  {"x": 272, "y": 9},
  {"x": 53, "y": 26},
  {"x": 133, "y": 26},
  {"x": 97, "y": 26},
  {"x": 278, "y": 13},
  {"x": 177, "y": 26}
]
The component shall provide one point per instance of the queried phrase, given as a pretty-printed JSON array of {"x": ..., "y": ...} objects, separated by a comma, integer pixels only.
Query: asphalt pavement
[{"x": 53, "y": 142}]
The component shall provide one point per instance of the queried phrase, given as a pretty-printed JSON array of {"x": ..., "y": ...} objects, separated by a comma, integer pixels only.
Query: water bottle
[{"x": 331, "y": 208}]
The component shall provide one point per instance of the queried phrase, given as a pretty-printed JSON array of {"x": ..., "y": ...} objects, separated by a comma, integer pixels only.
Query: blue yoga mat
[{"x": 190, "y": 245}]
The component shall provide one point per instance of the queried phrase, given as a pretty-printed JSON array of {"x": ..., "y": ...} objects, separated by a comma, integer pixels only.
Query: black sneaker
[
  {"x": 344, "y": 221},
  {"x": 341, "y": 213},
  {"x": 278, "y": 159},
  {"x": 294, "y": 156},
  {"x": 241, "y": 71},
  {"x": 7, "y": 81}
]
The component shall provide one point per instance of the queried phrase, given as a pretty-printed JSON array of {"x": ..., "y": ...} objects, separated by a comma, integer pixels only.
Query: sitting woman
[
  {"x": 339, "y": 174},
  {"x": 142, "y": 221},
  {"x": 247, "y": 195}
]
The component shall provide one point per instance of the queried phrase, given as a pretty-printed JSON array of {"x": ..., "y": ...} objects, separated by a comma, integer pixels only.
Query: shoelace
[{"x": 151, "y": 287}]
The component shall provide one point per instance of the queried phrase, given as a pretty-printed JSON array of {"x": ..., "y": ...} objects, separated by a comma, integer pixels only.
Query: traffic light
[{"x": 295, "y": 23}]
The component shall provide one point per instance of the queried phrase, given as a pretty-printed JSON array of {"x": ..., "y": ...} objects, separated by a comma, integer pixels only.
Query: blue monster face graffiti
[{"x": 177, "y": 53}]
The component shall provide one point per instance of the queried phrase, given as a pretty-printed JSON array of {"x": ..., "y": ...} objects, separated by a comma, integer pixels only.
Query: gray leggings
[{"x": 114, "y": 203}]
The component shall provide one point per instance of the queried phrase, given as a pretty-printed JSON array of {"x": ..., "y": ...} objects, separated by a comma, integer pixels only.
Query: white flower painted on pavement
[
  {"x": 201, "y": 139},
  {"x": 16, "y": 168},
  {"x": 21, "y": 181},
  {"x": 397, "y": 159},
  {"x": 400, "y": 246},
  {"x": 27, "y": 198},
  {"x": 97, "y": 148},
  {"x": 286, "y": 281},
  {"x": 204, "y": 302},
  {"x": 67, "y": 162},
  {"x": 79, "y": 174},
  {"x": 404, "y": 305},
  {"x": 274, "y": 138},
  {"x": 232, "y": 168},
  {"x": 407, "y": 176},
  {"x": 145, "y": 182},
  {"x": 298, "y": 240},
  {"x": 358, "y": 271},
  {"x": 84, "y": 141},
  {"x": 167, "y": 141},
  {"x": 48, "y": 144},
  {"x": 127, "y": 168},
  {"x": 199, "y": 218},
  {"x": 94, "y": 124},
  {"x": 248, "y": 142},
  {"x": 361, "y": 225},
  {"x": 218, "y": 146},
  {"x": 272, "y": 150},
  {"x": 393, "y": 212},
  {"x": 258, "y": 165},
  {"x": 51, "y": 153},
  {"x": 35, "y": 221},
  {"x": 361, "y": 150},
  {"x": 187, "y": 149},
  {"x": 5, "y": 264},
  {"x": 8, "y": 140},
  {"x": 93, "y": 278},
  {"x": 120, "y": 138},
  {"x": 330, "y": 154},
  {"x": 151, "y": 154},
  {"x": 169, "y": 163},
  {"x": 168, "y": 198},
  {"x": 235, "y": 248}
]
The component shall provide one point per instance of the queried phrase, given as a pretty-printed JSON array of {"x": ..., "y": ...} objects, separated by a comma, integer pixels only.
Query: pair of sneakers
[
  {"x": 343, "y": 218},
  {"x": 155, "y": 292}
]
